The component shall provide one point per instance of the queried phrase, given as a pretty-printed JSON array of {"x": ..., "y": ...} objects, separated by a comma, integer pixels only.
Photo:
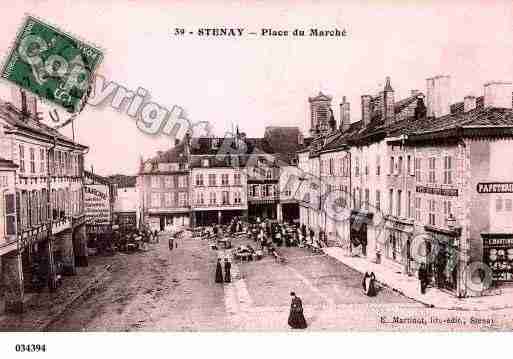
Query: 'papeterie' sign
[{"x": 495, "y": 187}]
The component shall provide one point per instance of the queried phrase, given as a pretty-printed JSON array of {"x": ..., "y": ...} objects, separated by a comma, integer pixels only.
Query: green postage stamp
[{"x": 51, "y": 64}]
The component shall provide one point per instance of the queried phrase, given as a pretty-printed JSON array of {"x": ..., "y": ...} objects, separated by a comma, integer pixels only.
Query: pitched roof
[{"x": 15, "y": 118}]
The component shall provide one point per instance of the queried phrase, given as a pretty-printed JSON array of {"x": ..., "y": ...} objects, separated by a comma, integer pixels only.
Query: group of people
[{"x": 227, "y": 271}]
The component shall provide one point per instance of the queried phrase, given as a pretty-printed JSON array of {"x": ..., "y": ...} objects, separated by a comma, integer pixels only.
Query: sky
[{"x": 254, "y": 82}]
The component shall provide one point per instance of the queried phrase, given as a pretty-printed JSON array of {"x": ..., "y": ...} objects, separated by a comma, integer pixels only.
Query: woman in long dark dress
[
  {"x": 227, "y": 268},
  {"x": 296, "y": 318},
  {"x": 219, "y": 272}
]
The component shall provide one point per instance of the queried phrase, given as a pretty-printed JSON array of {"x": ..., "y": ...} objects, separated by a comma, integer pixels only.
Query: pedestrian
[
  {"x": 423, "y": 278},
  {"x": 219, "y": 271},
  {"x": 171, "y": 242},
  {"x": 364, "y": 282},
  {"x": 370, "y": 285},
  {"x": 296, "y": 318},
  {"x": 227, "y": 268}
]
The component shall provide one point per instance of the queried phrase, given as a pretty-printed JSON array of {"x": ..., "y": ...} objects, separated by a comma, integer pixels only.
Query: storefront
[
  {"x": 397, "y": 246},
  {"x": 498, "y": 256},
  {"x": 442, "y": 253},
  {"x": 358, "y": 224}
]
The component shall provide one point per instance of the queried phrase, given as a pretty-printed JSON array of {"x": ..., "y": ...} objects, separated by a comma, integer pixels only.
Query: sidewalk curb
[
  {"x": 92, "y": 284},
  {"x": 428, "y": 305}
]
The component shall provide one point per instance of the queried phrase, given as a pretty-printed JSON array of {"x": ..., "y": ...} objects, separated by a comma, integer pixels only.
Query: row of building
[
  {"x": 417, "y": 175},
  {"x": 210, "y": 180},
  {"x": 43, "y": 230}
]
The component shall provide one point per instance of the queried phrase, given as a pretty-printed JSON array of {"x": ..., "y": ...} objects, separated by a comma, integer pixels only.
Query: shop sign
[
  {"x": 451, "y": 192},
  {"x": 97, "y": 204},
  {"x": 498, "y": 254},
  {"x": 495, "y": 187}
]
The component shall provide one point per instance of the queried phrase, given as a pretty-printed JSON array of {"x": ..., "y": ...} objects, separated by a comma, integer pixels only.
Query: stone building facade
[
  {"x": 432, "y": 179},
  {"x": 48, "y": 185}
]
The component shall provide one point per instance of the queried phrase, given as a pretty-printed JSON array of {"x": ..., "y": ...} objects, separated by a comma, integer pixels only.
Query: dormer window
[{"x": 204, "y": 162}]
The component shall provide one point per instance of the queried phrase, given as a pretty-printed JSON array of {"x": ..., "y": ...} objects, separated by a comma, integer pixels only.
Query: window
[
  {"x": 199, "y": 179},
  {"x": 236, "y": 179},
  {"x": 168, "y": 182},
  {"x": 269, "y": 174},
  {"x": 447, "y": 170},
  {"x": 168, "y": 201},
  {"x": 378, "y": 200},
  {"x": 22, "y": 158},
  {"x": 199, "y": 198},
  {"x": 408, "y": 165},
  {"x": 212, "y": 198},
  {"x": 155, "y": 199},
  {"x": 224, "y": 179},
  {"x": 432, "y": 212},
  {"x": 10, "y": 214},
  {"x": 322, "y": 167},
  {"x": 417, "y": 169},
  {"x": 253, "y": 190},
  {"x": 507, "y": 205},
  {"x": 432, "y": 170},
  {"x": 62, "y": 168},
  {"x": 498, "y": 204},
  {"x": 182, "y": 181},
  {"x": 331, "y": 166},
  {"x": 447, "y": 209},
  {"x": 366, "y": 168},
  {"x": 417, "y": 209},
  {"x": 42, "y": 163},
  {"x": 212, "y": 179},
  {"x": 204, "y": 163},
  {"x": 32, "y": 155},
  {"x": 236, "y": 198},
  {"x": 390, "y": 201},
  {"x": 155, "y": 182},
  {"x": 360, "y": 198},
  {"x": 378, "y": 165},
  {"x": 225, "y": 199},
  {"x": 183, "y": 199},
  {"x": 367, "y": 199},
  {"x": 398, "y": 205},
  {"x": 357, "y": 167},
  {"x": 408, "y": 206},
  {"x": 400, "y": 166},
  {"x": 392, "y": 164}
]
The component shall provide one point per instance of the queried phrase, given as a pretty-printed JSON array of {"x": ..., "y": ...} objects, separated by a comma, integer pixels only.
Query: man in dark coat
[
  {"x": 219, "y": 271},
  {"x": 423, "y": 278},
  {"x": 296, "y": 318},
  {"x": 227, "y": 268}
]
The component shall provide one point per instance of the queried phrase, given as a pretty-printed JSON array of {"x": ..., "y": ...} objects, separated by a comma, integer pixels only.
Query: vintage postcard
[{"x": 240, "y": 166}]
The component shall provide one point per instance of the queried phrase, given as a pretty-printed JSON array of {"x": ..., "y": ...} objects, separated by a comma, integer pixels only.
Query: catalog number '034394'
[{"x": 30, "y": 348}]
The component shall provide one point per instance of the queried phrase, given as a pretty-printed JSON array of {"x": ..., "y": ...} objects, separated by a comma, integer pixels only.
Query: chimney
[
  {"x": 469, "y": 103},
  {"x": 366, "y": 110},
  {"x": 345, "y": 115},
  {"x": 24, "y": 101},
  {"x": 388, "y": 102},
  {"x": 438, "y": 96},
  {"x": 498, "y": 94}
]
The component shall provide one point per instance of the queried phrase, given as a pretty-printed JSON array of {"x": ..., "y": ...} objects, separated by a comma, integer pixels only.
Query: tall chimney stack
[
  {"x": 498, "y": 94},
  {"x": 469, "y": 103},
  {"x": 366, "y": 110},
  {"x": 345, "y": 115},
  {"x": 438, "y": 96}
]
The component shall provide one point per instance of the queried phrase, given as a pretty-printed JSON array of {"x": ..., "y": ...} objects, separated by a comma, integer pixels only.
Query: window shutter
[{"x": 10, "y": 214}]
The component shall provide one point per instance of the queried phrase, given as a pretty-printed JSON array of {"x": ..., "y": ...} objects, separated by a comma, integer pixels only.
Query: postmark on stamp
[{"x": 51, "y": 64}]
